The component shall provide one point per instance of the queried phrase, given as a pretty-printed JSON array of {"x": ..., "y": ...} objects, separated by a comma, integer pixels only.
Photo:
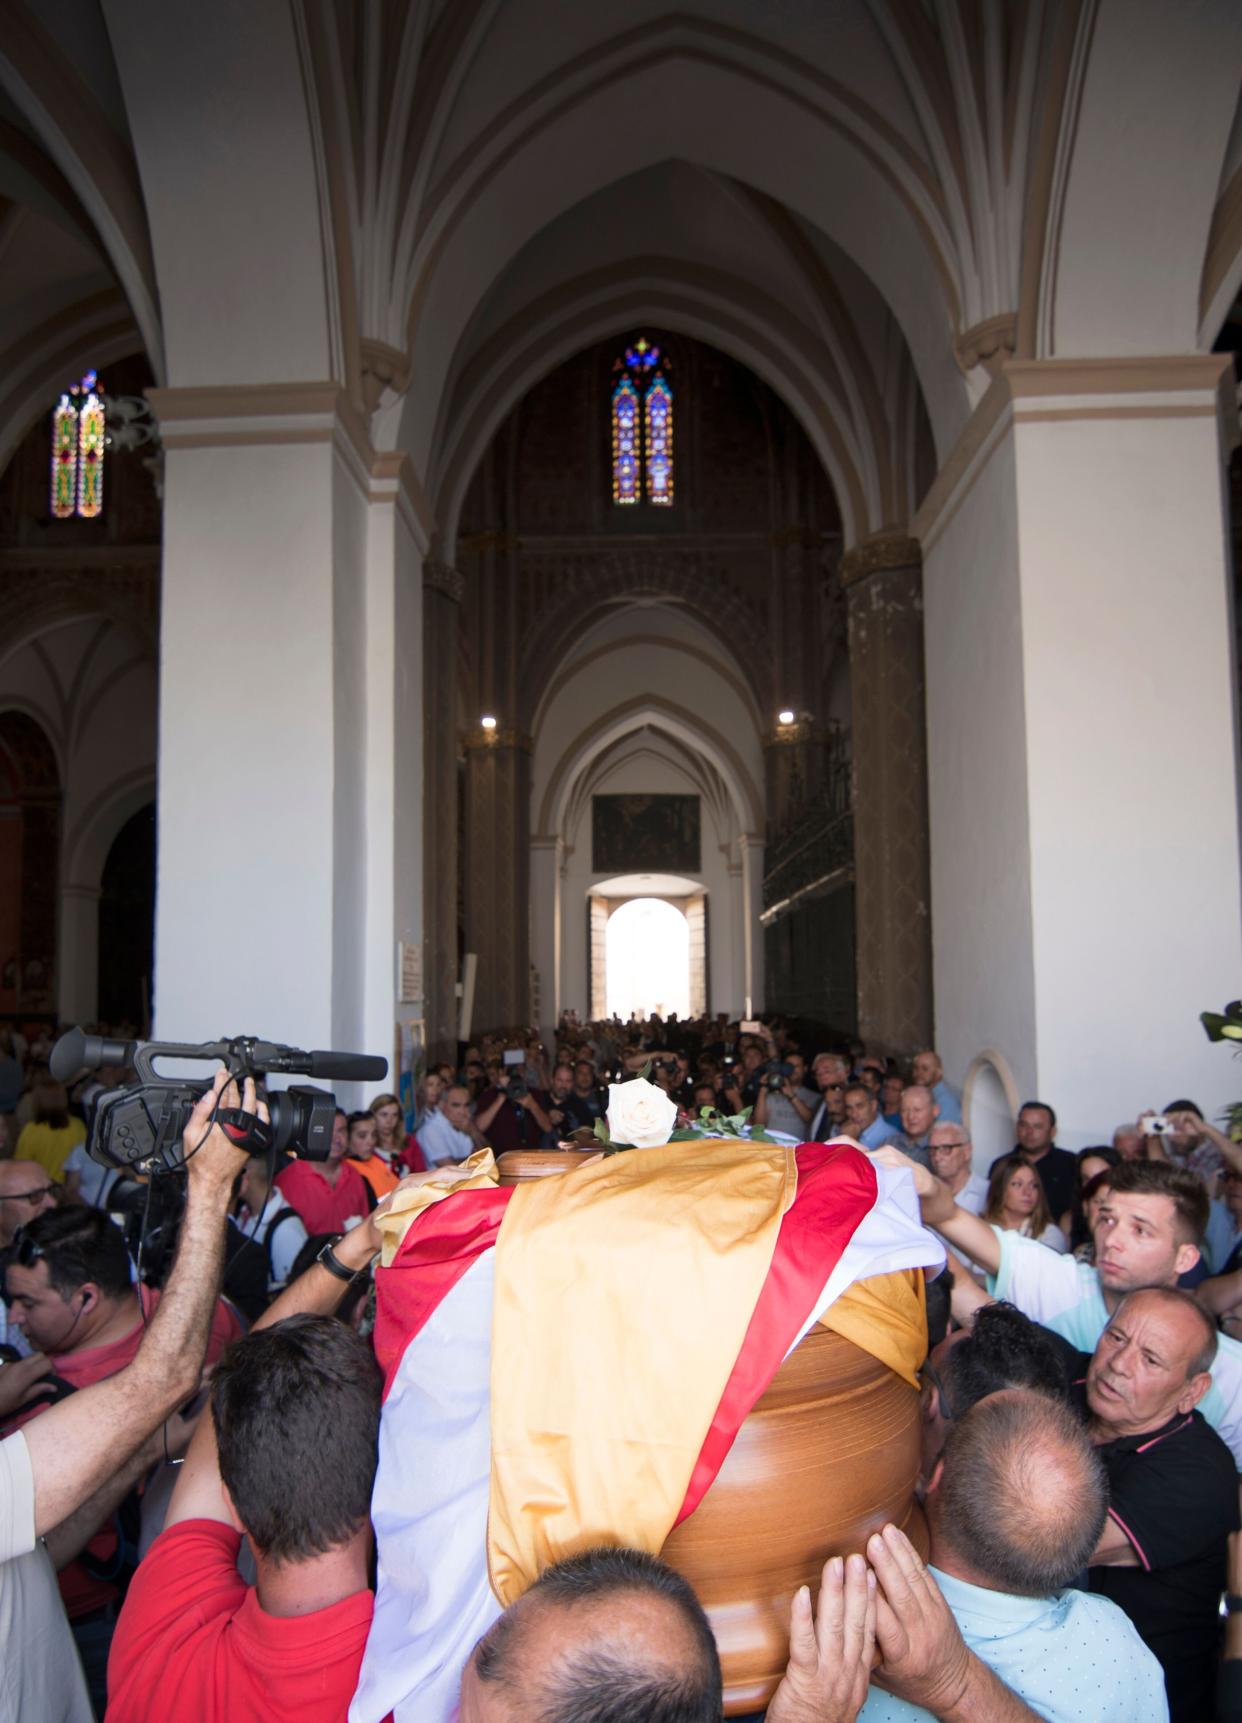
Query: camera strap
[{"x": 245, "y": 1130}]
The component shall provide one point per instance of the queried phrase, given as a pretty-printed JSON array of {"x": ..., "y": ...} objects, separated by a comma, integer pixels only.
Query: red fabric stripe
[
  {"x": 434, "y": 1254},
  {"x": 836, "y": 1189}
]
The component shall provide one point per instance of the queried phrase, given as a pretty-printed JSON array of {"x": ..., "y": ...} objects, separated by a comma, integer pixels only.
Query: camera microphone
[
  {"x": 349, "y": 1067},
  {"x": 344, "y": 1067}
]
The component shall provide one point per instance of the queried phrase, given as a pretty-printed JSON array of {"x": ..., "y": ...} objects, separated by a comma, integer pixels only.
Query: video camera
[
  {"x": 776, "y": 1072},
  {"x": 141, "y": 1126}
]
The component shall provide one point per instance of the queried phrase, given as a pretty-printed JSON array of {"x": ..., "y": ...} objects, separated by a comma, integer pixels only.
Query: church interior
[{"x": 509, "y": 508}]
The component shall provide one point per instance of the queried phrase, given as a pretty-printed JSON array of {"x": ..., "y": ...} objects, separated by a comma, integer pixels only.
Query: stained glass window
[
  {"x": 642, "y": 426},
  {"x": 625, "y": 457},
  {"x": 658, "y": 433},
  {"x": 64, "y": 458},
  {"x": 79, "y": 437}
]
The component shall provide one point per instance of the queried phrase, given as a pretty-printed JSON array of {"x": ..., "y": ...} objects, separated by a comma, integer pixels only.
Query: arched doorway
[
  {"x": 29, "y": 866},
  {"x": 127, "y": 923},
  {"x": 647, "y": 960}
]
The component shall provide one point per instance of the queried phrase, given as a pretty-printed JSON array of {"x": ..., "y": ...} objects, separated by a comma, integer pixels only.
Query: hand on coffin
[
  {"x": 935, "y": 1197},
  {"x": 830, "y": 1656},
  {"x": 923, "y": 1657}
]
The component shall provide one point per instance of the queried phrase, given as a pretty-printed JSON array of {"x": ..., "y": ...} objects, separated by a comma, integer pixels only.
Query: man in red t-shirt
[
  {"x": 286, "y": 1455},
  {"x": 330, "y": 1196},
  {"x": 70, "y": 1291}
]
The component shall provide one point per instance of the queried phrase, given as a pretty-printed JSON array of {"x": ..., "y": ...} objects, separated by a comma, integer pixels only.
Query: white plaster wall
[
  {"x": 977, "y": 789},
  {"x": 245, "y": 901},
  {"x": 1131, "y": 726}
]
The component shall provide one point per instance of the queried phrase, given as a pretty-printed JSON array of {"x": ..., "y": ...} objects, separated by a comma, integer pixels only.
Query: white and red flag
[{"x": 568, "y": 1361}]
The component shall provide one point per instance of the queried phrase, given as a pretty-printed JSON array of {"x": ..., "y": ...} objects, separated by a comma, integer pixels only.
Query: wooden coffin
[{"x": 828, "y": 1454}]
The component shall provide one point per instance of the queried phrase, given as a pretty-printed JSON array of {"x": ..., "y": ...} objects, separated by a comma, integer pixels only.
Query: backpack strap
[{"x": 278, "y": 1219}]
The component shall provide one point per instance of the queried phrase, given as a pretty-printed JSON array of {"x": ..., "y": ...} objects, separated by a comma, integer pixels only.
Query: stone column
[
  {"x": 752, "y": 927},
  {"x": 498, "y": 874},
  {"x": 77, "y": 967},
  {"x": 546, "y": 863},
  {"x": 443, "y": 589},
  {"x": 883, "y": 582}
]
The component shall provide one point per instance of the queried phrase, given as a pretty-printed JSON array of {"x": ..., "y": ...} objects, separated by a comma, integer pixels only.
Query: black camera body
[
  {"x": 141, "y": 1126},
  {"x": 776, "y": 1072},
  {"x": 516, "y": 1087}
]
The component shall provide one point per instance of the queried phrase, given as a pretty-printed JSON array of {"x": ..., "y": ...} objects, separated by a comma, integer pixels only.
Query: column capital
[
  {"x": 883, "y": 553},
  {"x": 441, "y": 577},
  {"x": 497, "y": 741},
  {"x": 789, "y": 735}
]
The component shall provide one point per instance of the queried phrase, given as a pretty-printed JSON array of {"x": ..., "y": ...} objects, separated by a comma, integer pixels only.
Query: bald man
[
  {"x": 1014, "y": 1508},
  {"x": 614, "y": 1623},
  {"x": 927, "y": 1070}
]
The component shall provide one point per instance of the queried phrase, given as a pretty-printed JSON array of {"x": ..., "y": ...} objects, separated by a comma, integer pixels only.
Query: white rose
[{"x": 640, "y": 1114}]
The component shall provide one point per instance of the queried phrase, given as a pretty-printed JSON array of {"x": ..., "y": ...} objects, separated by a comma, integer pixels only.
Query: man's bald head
[
  {"x": 25, "y": 1191},
  {"x": 604, "y": 1637},
  {"x": 1019, "y": 1499}
]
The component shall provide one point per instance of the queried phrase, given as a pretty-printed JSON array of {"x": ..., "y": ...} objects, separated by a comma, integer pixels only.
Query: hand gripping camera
[{"x": 141, "y": 1126}]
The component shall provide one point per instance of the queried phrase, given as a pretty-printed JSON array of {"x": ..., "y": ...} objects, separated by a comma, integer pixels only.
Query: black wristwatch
[
  {"x": 1233, "y": 1603},
  {"x": 328, "y": 1259}
]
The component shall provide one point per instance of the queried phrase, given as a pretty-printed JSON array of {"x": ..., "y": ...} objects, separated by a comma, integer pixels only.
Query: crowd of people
[{"x": 189, "y": 1405}]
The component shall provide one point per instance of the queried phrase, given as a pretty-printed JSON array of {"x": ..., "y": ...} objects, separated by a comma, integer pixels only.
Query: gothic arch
[
  {"x": 725, "y": 313},
  {"x": 591, "y": 587},
  {"x": 659, "y": 714}
]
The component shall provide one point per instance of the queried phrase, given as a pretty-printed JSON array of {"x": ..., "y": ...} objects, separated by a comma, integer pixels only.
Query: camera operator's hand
[
  {"x": 19, "y": 1382},
  {"x": 212, "y": 1160},
  {"x": 502, "y": 1080}
]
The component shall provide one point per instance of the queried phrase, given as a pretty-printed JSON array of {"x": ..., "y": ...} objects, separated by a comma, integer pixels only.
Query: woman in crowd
[
  {"x": 398, "y": 1146},
  {"x": 52, "y": 1132},
  {"x": 1016, "y": 1203},
  {"x": 1078, "y": 1221},
  {"x": 427, "y": 1099}
]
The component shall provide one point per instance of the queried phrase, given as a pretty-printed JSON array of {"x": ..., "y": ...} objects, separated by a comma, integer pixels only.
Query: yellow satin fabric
[
  {"x": 622, "y": 1298},
  {"x": 475, "y": 1173},
  {"x": 887, "y": 1317}
]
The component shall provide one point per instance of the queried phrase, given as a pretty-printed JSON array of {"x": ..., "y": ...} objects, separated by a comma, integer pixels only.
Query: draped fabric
[{"x": 568, "y": 1361}]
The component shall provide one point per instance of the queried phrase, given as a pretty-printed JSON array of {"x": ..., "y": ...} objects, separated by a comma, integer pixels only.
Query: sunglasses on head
[{"x": 26, "y": 1251}]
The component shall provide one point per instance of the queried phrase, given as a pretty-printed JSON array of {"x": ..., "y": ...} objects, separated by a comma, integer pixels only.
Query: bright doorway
[{"x": 647, "y": 959}]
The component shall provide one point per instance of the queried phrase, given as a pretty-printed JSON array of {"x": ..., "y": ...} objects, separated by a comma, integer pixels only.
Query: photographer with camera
[
  {"x": 785, "y": 1103},
  {"x": 67, "y": 1469},
  {"x": 286, "y": 1458},
  {"x": 511, "y": 1116}
]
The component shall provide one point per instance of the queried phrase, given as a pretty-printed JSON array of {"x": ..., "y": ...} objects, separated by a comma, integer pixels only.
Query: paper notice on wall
[{"x": 409, "y": 972}]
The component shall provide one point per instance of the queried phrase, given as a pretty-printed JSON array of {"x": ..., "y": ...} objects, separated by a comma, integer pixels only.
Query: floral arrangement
[{"x": 641, "y": 1116}]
